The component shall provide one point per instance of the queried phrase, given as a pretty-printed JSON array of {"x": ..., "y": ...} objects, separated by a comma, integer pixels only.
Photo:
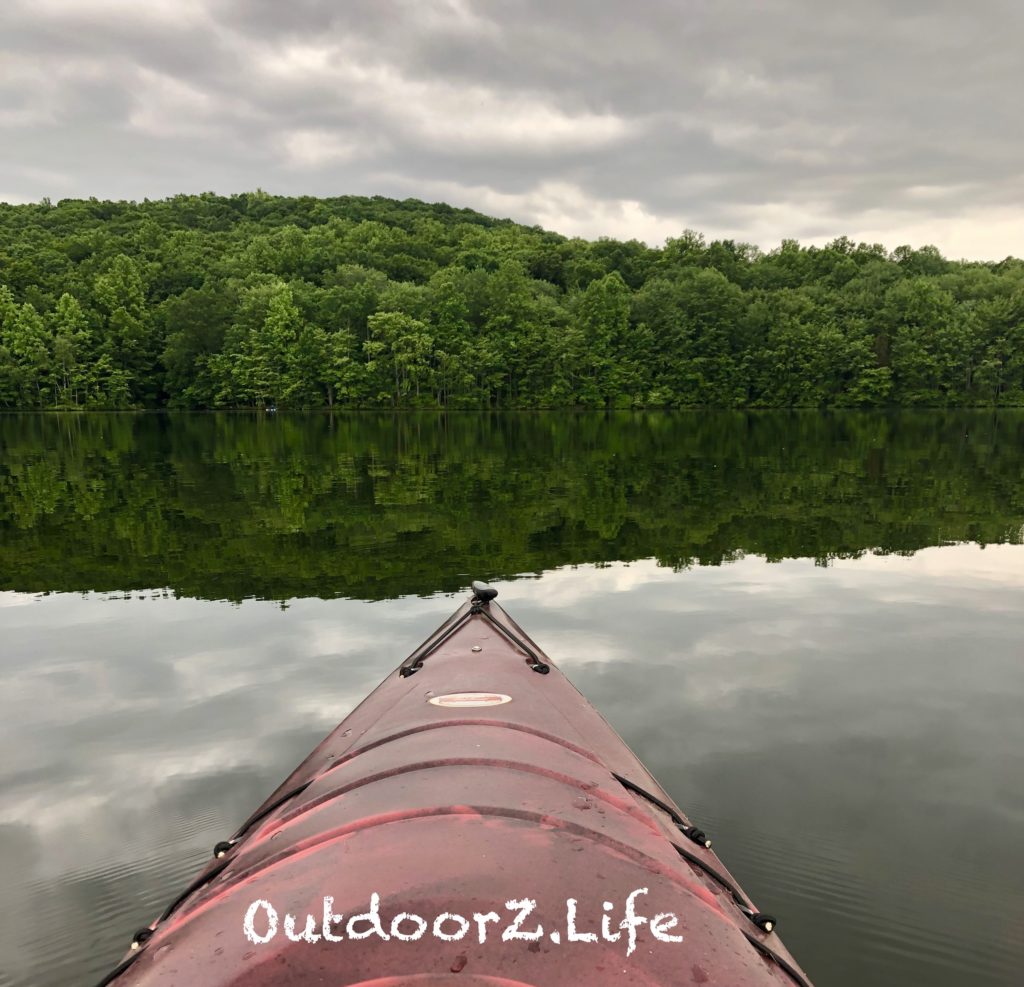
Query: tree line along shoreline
[{"x": 254, "y": 300}]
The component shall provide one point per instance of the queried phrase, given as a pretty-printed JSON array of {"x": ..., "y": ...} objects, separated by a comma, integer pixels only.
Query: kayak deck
[{"x": 473, "y": 780}]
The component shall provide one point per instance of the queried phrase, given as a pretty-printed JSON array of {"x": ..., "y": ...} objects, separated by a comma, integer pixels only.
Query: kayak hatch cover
[{"x": 474, "y": 821}]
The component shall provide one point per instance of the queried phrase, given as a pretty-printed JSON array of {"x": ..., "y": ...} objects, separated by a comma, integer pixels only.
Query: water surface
[{"x": 806, "y": 625}]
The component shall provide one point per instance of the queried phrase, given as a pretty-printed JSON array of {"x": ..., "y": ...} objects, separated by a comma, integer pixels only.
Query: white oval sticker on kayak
[{"x": 464, "y": 699}]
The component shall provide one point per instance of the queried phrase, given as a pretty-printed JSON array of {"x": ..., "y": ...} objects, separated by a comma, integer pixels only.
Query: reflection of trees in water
[{"x": 371, "y": 505}]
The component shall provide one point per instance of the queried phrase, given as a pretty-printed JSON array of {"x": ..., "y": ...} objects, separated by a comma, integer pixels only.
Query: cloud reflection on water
[{"x": 844, "y": 729}]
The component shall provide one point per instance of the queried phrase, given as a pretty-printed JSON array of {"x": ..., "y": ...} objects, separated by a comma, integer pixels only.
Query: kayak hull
[{"x": 476, "y": 821}]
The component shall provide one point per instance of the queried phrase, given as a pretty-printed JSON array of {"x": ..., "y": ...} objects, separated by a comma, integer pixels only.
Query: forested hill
[{"x": 250, "y": 300}]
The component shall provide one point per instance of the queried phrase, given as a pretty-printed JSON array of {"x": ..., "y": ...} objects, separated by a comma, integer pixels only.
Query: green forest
[
  {"x": 375, "y": 505},
  {"x": 254, "y": 300}
]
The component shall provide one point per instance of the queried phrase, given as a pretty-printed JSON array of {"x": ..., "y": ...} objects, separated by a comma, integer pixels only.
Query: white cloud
[
  {"x": 559, "y": 206},
  {"x": 989, "y": 233},
  {"x": 169, "y": 107},
  {"x": 450, "y": 15},
  {"x": 318, "y": 148},
  {"x": 436, "y": 112},
  {"x": 163, "y": 13}
]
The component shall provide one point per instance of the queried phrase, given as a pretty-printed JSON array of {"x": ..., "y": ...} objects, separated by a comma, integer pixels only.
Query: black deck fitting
[{"x": 483, "y": 592}]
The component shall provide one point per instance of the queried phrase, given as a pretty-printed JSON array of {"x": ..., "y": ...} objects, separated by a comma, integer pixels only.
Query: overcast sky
[{"x": 893, "y": 122}]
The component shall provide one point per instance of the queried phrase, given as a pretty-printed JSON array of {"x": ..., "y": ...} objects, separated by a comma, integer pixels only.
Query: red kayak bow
[{"x": 474, "y": 821}]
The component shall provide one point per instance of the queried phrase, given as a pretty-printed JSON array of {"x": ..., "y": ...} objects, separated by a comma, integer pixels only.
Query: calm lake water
[{"x": 808, "y": 626}]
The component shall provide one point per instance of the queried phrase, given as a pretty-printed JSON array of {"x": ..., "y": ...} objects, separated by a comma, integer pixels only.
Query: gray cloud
[{"x": 752, "y": 120}]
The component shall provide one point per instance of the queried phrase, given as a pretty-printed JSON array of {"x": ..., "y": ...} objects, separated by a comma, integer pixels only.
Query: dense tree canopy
[{"x": 252, "y": 300}]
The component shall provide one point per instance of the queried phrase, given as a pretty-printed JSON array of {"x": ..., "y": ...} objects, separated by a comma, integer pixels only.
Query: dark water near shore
[{"x": 808, "y": 626}]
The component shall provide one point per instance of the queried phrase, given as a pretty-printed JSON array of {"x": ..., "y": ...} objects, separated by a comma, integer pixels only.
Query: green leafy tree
[
  {"x": 195, "y": 325},
  {"x": 27, "y": 356},
  {"x": 924, "y": 342},
  {"x": 72, "y": 353},
  {"x": 268, "y": 351},
  {"x": 399, "y": 353},
  {"x": 127, "y": 334}
]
